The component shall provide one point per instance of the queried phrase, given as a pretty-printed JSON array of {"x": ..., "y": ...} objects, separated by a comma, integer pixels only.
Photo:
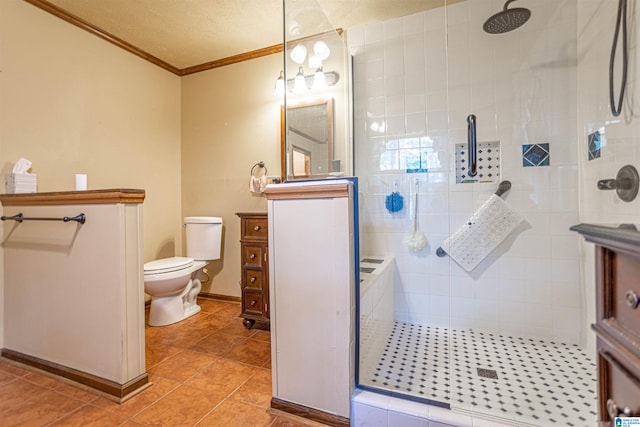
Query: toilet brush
[{"x": 416, "y": 241}]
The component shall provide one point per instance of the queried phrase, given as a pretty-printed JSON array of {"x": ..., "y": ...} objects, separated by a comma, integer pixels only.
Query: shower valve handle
[
  {"x": 626, "y": 183},
  {"x": 607, "y": 184}
]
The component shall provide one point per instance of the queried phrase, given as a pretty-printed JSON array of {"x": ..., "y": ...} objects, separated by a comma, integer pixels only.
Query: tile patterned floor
[
  {"x": 207, "y": 370},
  {"x": 527, "y": 381}
]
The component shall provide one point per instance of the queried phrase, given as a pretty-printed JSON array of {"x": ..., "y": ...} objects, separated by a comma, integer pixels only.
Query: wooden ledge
[
  {"x": 301, "y": 191},
  {"x": 90, "y": 197}
]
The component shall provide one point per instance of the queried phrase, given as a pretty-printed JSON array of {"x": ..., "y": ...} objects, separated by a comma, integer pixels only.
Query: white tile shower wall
[
  {"x": 596, "y": 24},
  {"x": 420, "y": 76}
]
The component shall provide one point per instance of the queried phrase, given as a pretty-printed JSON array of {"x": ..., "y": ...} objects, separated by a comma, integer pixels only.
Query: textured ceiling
[{"x": 185, "y": 33}]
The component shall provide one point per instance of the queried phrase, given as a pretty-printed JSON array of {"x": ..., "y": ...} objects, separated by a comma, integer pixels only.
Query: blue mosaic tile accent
[
  {"x": 535, "y": 155},
  {"x": 594, "y": 145}
]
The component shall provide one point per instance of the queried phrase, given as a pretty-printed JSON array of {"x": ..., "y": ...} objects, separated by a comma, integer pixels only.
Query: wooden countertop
[
  {"x": 624, "y": 236},
  {"x": 89, "y": 197}
]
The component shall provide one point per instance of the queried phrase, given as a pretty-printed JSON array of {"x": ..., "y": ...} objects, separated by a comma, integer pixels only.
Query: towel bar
[
  {"x": 81, "y": 218},
  {"x": 503, "y": 187}
]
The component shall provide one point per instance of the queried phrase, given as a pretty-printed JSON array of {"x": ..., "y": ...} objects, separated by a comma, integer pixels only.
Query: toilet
[{"x": 174, "y": 283}]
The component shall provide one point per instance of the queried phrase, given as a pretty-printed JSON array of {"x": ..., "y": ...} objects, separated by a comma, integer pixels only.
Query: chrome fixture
[
  {"x": 626, "y": 183},
  {"x": 471, "y": 145},
  {"x": 507, "y": 20}
]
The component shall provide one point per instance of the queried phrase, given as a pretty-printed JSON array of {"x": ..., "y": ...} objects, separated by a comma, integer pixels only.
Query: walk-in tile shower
[
  {"x": 510, "y": 338},
  {"x": 449, "y": 103}
]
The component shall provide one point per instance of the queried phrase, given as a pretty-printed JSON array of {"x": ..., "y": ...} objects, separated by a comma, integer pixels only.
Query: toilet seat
[{"x": 167, "y": 265}]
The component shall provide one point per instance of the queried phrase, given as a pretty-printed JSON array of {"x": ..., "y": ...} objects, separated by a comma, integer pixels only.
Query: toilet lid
[{"x": 166, "y": 265}]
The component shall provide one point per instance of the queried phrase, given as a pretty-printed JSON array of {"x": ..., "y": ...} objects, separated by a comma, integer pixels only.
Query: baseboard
[
  {"x": 219, "y": 297},
  {"x": 309, "y": 413},
  {"x": 114, "y": 390}
]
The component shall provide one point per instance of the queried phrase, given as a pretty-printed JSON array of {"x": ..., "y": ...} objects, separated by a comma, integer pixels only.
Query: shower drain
[{"x": 487, "y": 373}]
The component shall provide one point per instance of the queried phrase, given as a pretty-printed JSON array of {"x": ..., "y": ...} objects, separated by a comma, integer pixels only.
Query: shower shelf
[{"x": 487, "y": 163}]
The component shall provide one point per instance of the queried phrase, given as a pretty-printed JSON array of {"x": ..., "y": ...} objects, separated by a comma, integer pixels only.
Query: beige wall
[
  {"x": 72, "y": 103},
  {"x": 230, "y": 121}
]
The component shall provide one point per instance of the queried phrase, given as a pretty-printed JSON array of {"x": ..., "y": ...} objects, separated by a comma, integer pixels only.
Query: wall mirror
[{"x": 307, "y": 141}]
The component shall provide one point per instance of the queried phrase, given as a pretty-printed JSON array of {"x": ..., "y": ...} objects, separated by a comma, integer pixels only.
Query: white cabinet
[{"x": 311, "y": 269}]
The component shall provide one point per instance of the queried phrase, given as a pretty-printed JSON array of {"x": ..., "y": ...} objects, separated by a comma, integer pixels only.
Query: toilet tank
[{"x": 204, "y": 237}]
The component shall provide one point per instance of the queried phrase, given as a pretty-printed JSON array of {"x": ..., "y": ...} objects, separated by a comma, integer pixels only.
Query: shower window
[{"x": 409, "y": 153}]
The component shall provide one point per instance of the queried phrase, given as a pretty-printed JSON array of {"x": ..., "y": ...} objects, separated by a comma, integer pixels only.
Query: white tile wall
[
  {"x": 421, "y": 75},
  {"x": 595, "y": 26}
]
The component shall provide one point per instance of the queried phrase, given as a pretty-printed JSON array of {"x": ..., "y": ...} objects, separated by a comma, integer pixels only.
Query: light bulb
[
  {"x": 298, "y": 54},
  {"x": 319, "y": 80},
  {"x": 299, "y": 84},
  {"x": 321, "y": 50}
]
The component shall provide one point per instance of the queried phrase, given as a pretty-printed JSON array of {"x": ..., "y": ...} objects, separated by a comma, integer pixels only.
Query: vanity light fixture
[{"x": 320, "y": 80}]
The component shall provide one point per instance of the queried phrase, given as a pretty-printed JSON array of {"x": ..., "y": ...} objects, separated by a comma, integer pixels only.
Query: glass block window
[{"x": 409, "y": 154}]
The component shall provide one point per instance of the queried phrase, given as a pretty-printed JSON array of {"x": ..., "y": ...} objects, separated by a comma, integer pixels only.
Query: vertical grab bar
[{"x": 471, "y": 145}]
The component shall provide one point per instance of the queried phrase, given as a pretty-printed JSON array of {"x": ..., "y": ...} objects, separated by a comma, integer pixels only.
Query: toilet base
[{"x": 168, "y": 310}]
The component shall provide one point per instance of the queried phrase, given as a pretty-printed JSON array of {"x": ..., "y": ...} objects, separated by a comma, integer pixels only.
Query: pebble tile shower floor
[{"x": 526, "y": 381}]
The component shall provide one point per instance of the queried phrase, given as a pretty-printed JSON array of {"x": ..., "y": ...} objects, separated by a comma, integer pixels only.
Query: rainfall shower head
[{"x": 507, "y": 20}]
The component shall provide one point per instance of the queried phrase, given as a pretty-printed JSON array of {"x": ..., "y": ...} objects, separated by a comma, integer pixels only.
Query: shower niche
[{"x": 488, "y": 163}]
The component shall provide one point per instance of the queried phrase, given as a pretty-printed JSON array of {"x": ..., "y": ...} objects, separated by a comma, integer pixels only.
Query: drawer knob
[
  {"x": 253, "y": 303},
  {"x": 252, "y": 280},
  {"x": 614, "y": 411},
  {"x": 632, "y": 299},
  {"x": 256, "y": 228},
  {"x": 252, "y": 256}
]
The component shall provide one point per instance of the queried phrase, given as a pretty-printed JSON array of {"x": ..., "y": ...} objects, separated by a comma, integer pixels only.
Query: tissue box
[{"x": 20, "y": 183}]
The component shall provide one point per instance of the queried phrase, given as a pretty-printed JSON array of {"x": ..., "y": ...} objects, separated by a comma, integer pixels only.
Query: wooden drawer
[
  {"x": 255, "y": 229},
  {"x": 624, "y": 306},
  {"x": 619, "y": 381},
  {"x": 253, "y": 278},
  {"x": 254, "y": 256},
  {"x": 618, "y": 290},
  {"x": 252, "y": 302}
]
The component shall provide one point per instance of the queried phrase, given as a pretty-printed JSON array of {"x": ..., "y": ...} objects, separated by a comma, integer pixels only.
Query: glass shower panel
[
  {"x": 316, "y": 119},
  {"x": 402, "y": 159},
  {"x": 518, "y": 324}
]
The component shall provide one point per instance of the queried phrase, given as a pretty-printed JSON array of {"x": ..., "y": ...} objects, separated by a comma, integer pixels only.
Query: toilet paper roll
[{"x": 81, "y": 182}]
